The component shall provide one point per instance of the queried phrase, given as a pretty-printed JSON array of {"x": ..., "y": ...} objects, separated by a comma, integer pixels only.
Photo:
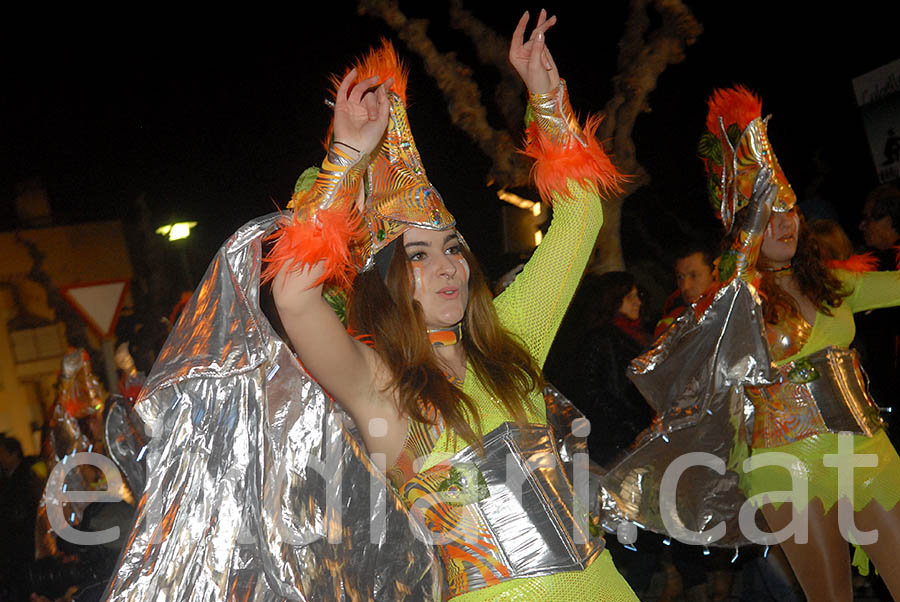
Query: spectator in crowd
[
  {"x": 833, "y": 242},
  {"x": 878, "y": 331},
  {"x": 20, "y": 492},
  {"x": 694, "y": 267},
  {"x": 880, "y": 223},
  {"x": 611, "y": 336},
  {"x": 601, "y": 333}
]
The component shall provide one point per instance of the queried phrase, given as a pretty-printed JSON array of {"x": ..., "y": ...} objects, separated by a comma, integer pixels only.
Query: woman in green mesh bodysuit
[{"x": 447, "y": 385}]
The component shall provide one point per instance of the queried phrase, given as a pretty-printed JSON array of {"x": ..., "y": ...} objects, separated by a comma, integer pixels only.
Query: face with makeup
[
  {"x": 780, "y": 241},
  {"x": 439, "y": 275}
]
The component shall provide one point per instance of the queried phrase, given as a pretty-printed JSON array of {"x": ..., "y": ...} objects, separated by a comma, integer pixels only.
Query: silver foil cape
[
  {"x": 571, "y": 428},
  {"x": 126, "y": 441},
  {"x": 257, "y": 487},
  {"x": 693, "y": 376}
]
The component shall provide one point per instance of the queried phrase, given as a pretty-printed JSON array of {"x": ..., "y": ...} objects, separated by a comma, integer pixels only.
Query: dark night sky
[{"x": 213, "y": 117}]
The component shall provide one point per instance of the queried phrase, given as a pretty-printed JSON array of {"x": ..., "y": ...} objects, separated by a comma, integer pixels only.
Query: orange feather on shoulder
[{"x": 865, "y": 262}]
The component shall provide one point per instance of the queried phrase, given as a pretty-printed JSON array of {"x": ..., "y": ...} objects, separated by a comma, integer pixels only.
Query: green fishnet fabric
[
  {"x": 600, "y": 581},
  {"x": 871, "y": 290},
  {"x": 880, "y": 483},
  {"x": 532, "y": 308}
]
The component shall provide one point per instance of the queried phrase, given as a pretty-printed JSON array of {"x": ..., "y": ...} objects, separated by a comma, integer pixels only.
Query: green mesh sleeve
[
  {"x": 533, "y": 306},
  {"x": 872, "y": 290}
]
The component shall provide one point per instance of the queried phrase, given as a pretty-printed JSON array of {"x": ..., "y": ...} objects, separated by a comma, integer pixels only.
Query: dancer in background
[{"x": 808, "y": 311}]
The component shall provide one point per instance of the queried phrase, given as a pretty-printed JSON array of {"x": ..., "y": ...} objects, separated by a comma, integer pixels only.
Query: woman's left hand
[{"x": 531, "y": 59}]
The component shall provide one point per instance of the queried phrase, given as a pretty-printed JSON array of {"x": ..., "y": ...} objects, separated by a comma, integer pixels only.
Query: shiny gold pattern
[{"x": 740, "y": 166}]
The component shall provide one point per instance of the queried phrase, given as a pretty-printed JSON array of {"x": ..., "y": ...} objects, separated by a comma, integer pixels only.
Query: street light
[
  {"x": 180, "y": 231},
  {"x": 176, "y": 231}
]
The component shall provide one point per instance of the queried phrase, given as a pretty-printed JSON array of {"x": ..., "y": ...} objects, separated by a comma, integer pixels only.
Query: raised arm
[
  {"x": 531, "y": 59},
  {"x": 533, "y": 306},
  {"x": 740, "y": 259},
  {"x": 328, "y": 212},
  {"x": 570, "y": 169}
]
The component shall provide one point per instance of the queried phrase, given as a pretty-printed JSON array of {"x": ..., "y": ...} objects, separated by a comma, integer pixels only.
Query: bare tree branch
[
  {"x": 455, "y": 80},
  {"x": 642, "y": 59},
  {"x": 493, "y": 49},
  {"x": 644, "y": 54}
]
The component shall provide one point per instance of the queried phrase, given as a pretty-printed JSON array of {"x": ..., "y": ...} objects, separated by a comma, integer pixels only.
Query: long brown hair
[
  {"x": 816, "y": 281},
  {"x": 385, "y": 310}
]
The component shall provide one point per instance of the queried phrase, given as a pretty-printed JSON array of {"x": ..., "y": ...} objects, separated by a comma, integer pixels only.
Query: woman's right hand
[{"x": 360, "y": 113}]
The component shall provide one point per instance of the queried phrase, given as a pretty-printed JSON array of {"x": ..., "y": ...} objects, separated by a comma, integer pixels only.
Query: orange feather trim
[
  {"x": 382, "y": 62},
  {"x": 325, "y": 238},
  {"x": 734, "y": 105},
  {"x": 865, "y": 262},
  {"x": 555, "y": 164}
]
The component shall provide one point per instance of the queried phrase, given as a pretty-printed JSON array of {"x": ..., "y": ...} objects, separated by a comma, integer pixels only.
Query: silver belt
[
  {"x": 519, "y": 491},
  {"x": 838, "y": 390}
]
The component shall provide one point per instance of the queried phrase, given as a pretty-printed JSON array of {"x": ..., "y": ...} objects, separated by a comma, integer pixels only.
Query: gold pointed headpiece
[
  {"x": 326, "y": 225},
  {"x": 734, "y": 147},
  {"x": 399, "y": 195}
]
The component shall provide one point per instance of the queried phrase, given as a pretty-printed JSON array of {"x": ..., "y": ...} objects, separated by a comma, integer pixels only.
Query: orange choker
[{"x": 444, "y": 337}]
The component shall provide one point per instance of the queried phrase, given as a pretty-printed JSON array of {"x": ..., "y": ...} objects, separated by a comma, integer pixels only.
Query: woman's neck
[
  {"x": 447, "y": 346},
  {"x": 452, "y": 359},
  {"x": 778, "y": 268}
]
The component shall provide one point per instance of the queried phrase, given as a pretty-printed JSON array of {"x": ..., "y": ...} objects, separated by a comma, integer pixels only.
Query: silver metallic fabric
[
  {"x": 125, "y": 441},
  {"x": 571, "y": 428},
  {"x": 839, "y": 389},
  {"x": 257, "y": 488},
  {"x": 514, "y": 498},
  {"x": 693, "y": 377},
  {"x": 836, "y": 390},
  {"x": 820, "y": 393},
  {"x": 66, "y": 440}
]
